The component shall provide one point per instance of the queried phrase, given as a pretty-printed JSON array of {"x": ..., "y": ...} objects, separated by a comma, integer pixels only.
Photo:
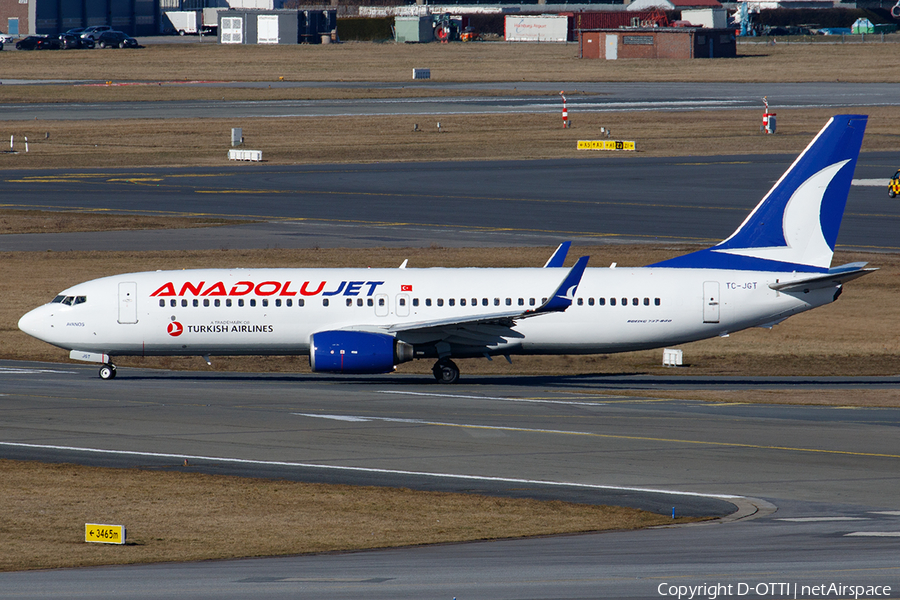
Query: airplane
[{"x": 776, "y": 264}]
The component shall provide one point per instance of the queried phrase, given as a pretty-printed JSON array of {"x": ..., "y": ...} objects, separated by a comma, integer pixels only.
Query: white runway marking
[
  {"x": 822, "y": 519},
  {"x": 890, "y": 513},
  {"x": 27, "y": 371},
  {"x": 462, "y": 397},
  {"x": 441, "y": 424},
  {"x": 873, "y": 534},
  {"x": 243, "y": 461},
  {"x": 871, "y": 182}
]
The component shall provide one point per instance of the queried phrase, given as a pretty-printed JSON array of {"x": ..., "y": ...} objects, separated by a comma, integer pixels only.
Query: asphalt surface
[
  {"x": 583, "y": 97},
  {"x": 494, "y": 203},
  {"x": 820, "y": 484},
  {"x": 818, "y": 487}
]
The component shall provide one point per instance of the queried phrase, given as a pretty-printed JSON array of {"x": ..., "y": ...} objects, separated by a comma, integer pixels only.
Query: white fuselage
[{"x": 275, "y": 311}]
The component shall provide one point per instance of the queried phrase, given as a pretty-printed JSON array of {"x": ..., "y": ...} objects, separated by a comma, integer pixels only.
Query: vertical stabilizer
[{"x": 795, "y": 226}]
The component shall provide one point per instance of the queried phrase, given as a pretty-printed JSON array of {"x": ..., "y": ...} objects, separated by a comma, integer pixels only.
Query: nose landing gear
[
  {"x": 445, "y": 371},
  {"x": 108, "y": 371}
]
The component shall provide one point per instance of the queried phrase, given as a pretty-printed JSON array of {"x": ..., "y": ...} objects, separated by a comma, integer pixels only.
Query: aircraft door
[
  {"x": 128, "y": 302},
  {"x": 402, "y": 305},
  {"x": 710, "y": 301},
  {"x": 381, "y": 305}
]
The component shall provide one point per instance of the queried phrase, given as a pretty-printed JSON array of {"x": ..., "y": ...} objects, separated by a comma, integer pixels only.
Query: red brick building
[{"x": 657, "y": 42}]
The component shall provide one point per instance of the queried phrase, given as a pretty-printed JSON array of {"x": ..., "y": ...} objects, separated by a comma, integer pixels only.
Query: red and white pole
[{"x": 565, "y": 112}]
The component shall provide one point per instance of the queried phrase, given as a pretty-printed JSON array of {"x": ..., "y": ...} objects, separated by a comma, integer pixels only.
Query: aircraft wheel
[
  {"x": 445, "y": 371},
  {"x": 108, "y": 371}
]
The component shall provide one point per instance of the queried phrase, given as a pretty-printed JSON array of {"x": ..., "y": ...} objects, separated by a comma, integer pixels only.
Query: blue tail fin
[{"x": 795, "y": 226}]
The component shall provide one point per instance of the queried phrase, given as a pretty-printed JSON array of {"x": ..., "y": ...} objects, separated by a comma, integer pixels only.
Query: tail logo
[{"x": 802, "y": 228}]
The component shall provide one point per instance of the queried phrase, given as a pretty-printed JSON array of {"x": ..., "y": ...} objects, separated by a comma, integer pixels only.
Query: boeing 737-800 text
[{"x": 776, "y": 264}]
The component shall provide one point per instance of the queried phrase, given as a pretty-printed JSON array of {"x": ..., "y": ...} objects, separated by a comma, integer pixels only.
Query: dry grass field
[
  {"x": 183, "y": 516},
  {"x": 477, "y": 62},
  {"x": 143, "y": 143}
]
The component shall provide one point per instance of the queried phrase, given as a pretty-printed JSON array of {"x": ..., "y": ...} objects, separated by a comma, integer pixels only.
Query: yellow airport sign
[
  {"x": 605, "y": 145},
  {"x": 104, "y": 534}
]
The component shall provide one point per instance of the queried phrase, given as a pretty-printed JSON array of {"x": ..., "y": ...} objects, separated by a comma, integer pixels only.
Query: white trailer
[{"x": 183, "y": 21}]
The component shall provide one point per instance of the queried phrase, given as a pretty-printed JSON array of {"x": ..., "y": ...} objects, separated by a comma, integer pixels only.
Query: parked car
[
  {"x": 73, "y": 41},
  {"x": 116, "y": 39},
  {"x": 94, "y": 31},
  {"x": 5, "y": 38},
  {"x": 38, "y": 42}
]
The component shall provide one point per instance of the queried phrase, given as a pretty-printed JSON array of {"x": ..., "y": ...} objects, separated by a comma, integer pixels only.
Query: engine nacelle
[{"x": 356, "y": 352}]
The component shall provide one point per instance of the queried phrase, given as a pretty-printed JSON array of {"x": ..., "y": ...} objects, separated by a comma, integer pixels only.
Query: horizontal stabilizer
[{"x": 836, "y": 276}]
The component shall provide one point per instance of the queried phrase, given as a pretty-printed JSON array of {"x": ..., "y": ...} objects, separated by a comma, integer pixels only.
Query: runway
[
  {"x": 583, "y": 97},
  {"x": 482, "y": 204},
  {"x": 824, "y": 480}
]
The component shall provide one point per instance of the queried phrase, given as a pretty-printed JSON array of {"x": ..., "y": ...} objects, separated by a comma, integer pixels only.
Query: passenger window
[
  {"x": 240, "y": 302},
  {"x": 415, "y": 301},
  {"x": 496, "y": 301},
  {"x": 228, "y": 302},
  {"x": 162, "y": 303},
  {"x": 635, "y": 301},
  {"x": 184, "y": 303},
  {"x": 277, "y": 301},
  {"x": 218, "y": 302},
  {"x": 624, "y": 301},
  {"x": 440, "y": 301},
  {"x": 531, "y": 302},
  {"x": 349, "y": 301},
  {"x": 475, "y": 302},
  {"x": 402, "y": 301},
  {"x": 646, "y": 301},
  {"x": 612, "y": 301},
  {"x": 462, "y": 302},
  {"x": 172, "y": 303},
  {"x": 521, "y": 301},
  {"x": 301, "y": 302},
  {"x": 590, "y": 301},
  {"x": 287, "y": 302},
  {"x": 206, "y": 302},
  {"x": 484, "y": 301},
  {"x": 656, "y": 301},
  {"x": 581, "y": 302},
  {"x": 427, "y": 301},
  {"x": 509, "y": 301},
  {"x": 370, "y": 302},
  {"x": 601, "y": 301},
  {"x": 196, "y": 303},
  {"x": 252, "y": 301},
  {"x": 359, "y": 301},
  {"x": 265, "y": 301},
  {"x": 325, "y": 302},
  {"x": 452, "y": 301},
  {"x": 381, "y": 302}
]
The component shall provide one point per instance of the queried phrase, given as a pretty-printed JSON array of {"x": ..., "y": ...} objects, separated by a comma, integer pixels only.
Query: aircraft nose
[{"x": 31, "y": 323}]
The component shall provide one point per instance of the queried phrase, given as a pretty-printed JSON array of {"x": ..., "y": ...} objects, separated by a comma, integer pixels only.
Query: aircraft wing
[
  {"x": 560, "y": 300},
  {"x": 835, "y": 276}
]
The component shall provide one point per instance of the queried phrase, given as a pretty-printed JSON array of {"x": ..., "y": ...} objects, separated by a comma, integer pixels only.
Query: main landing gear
[
  {"x": 108, "y": 371},
  {"x": 445, "y": 371}
]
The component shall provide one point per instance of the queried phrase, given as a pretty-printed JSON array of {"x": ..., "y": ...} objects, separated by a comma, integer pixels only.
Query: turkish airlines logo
[{"x": 175, "y": 329}]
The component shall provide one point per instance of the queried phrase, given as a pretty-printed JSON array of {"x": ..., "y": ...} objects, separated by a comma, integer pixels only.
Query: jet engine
[{"x": 356, "y": 352}]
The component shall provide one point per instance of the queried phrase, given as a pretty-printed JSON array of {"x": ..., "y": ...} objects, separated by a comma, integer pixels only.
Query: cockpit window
[{"x": 70, "y": 300}]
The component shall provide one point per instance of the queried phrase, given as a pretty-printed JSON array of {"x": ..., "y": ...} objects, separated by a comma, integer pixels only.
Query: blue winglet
[
  {"x": 562, "y": 298},
  {"x": 559, "y": 257},
  {"x": 795, "y": 226}
]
